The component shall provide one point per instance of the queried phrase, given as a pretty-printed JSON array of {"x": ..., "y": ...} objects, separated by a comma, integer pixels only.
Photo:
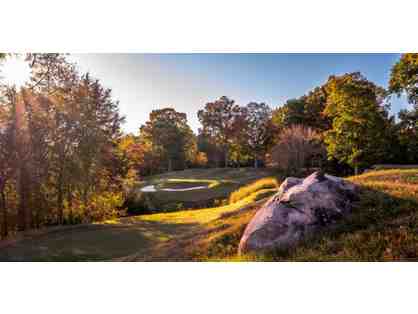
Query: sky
[{"x": 186, "y": 82}]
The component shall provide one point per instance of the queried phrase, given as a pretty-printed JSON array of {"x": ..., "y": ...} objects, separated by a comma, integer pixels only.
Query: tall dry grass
[{"x": 265, "y": 183}]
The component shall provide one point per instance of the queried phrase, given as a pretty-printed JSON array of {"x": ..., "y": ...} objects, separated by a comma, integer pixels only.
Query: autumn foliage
[{"x": 65, "y": 160}]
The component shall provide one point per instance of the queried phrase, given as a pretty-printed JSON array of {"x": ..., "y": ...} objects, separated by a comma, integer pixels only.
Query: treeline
[
  {"x": 58, "y": 148},
  {"x": 343, "y": 126},
  {"x": 349, "y": 118},
  {"x": 64, "y": 159}
]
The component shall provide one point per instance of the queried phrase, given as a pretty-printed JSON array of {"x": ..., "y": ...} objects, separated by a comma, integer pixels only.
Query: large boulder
[{"x": 300, "y": 207}]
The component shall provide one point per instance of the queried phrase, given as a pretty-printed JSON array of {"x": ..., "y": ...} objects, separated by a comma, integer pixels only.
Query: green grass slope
[
  {"x": 143, "y": 237},
  {"x": 383, "y": 226}
]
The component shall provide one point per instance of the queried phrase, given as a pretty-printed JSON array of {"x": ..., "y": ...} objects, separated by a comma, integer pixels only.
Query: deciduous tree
[
  {"x": 221, "y": 120},
  {"x": 259, "y": 129},
  {"x": 404, "y": 77},
  {"x": 359, "y": 119},
  {"x": 169, "y": 135}
]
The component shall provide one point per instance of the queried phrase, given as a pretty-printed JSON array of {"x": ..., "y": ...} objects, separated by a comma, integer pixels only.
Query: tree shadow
[{"x": 95, "y": 242}]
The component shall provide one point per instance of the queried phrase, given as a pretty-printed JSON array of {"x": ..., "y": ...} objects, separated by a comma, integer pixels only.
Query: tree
[
  {"x": 200, "y": 160},
  {"x": 408, "y": 135},
  {"x": 7, "y": 157},
  {"x": 169, "y": 135},
  {"x": 50, "y": 72},
  {"x": 131, "y": 155},
  {"x": 259, "y": 129},
  {"x": 38, "y": 135},
  {"x": 58, "y": 147},
  {"x": 296, "y": 146},
  {"x": 207, "y": 145},
  {"x": 359, "y": 119},
  {"x": 315, "y": 103},
  {"x": 306, "y": 110},
  {"x": 404, "y": 77},
  {"x": 97, "y": 129},
  {"x": 221, "y": 120},
  {"x": 291, "y": 113}
]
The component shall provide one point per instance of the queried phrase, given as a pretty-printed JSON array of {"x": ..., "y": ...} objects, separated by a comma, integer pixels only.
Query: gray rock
[
  {"x": 301, "y": 207},
  {"x": 287, "y": 184}
]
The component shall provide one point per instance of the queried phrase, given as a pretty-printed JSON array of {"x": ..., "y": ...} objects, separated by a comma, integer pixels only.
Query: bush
[{"x": 101, "y": 206}]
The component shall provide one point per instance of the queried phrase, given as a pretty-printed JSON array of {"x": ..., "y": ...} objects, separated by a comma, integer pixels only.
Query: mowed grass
[
  {"x": 202, "y": 216},
  {"x": 382, "y": 227},
  {"x": 220, "y": 183},
  {"x": 130, "y": 238},
  {"x": 177, "y": 183}
]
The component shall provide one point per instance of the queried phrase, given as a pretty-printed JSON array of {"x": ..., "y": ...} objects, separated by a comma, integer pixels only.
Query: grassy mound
[
  {"x": 266, "y": 183},
  {"x": 383, "y": 226}
]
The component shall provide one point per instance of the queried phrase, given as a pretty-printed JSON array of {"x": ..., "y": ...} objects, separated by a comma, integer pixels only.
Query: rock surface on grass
[{"x": 301, "y": 207}]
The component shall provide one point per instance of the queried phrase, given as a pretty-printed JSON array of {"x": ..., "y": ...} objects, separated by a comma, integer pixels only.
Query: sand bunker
[
  {"x": 151, "y": 188},
  {"x": 148, "y": 188}
]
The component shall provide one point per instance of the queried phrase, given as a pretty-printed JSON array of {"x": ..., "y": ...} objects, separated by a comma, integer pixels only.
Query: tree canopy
[
  {"x": 170, "y": 137},
  {"x": 221, "y": 120},
  {"x": 358, "y": 115},
  {"x": 404, "y": 77}
]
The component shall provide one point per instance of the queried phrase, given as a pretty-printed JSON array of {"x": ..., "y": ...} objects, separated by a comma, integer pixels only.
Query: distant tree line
[
  {"x": 64, "y": 159},
  {"x": 343, "y": 126}
]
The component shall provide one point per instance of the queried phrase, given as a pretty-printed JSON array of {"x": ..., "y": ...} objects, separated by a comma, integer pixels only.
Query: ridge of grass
[
  {"x": 265, "y": 183},
  {"x": 205, "y": 215}
]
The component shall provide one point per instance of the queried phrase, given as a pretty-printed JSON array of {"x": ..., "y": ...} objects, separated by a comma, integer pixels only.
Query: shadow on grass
[
  {"x": 95, "y": 242},
  {"x": 382, "y": 226}
]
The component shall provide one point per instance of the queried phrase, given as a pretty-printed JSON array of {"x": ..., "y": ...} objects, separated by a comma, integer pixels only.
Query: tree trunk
[
  {"x": 60, "y": 200},
  {"x": 226, "y": 157},
  {"x": 38, "y": 207},
  {"x": 23, "y": 210},
  {"x": 355, "y": 169},
  {"x": 4, "y": 227},
  {"x": 70, "y": 204},
  {"x": 170, "y": 165}
]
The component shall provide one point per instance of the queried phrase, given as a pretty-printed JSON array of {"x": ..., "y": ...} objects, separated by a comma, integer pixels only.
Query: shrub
[{"x": 100, "y": 206}]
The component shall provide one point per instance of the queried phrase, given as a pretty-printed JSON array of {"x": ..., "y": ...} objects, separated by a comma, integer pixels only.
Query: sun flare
[{"x": 15, "y": 71}]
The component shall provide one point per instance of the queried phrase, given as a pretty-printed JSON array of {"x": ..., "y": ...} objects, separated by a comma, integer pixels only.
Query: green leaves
[
  {"x": 404, "y": 77},
  {"x": 358, "y": 116},
  {"x": 169, "y": 137}
]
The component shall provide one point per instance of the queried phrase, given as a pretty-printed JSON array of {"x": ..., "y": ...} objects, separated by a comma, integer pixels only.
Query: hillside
[
  {"x": 138, "y": 237},
  {"x": 383, "y": 226}
]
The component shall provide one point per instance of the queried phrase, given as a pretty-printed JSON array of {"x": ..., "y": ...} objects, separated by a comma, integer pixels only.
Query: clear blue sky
[{"x": 143, "y": 82}]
